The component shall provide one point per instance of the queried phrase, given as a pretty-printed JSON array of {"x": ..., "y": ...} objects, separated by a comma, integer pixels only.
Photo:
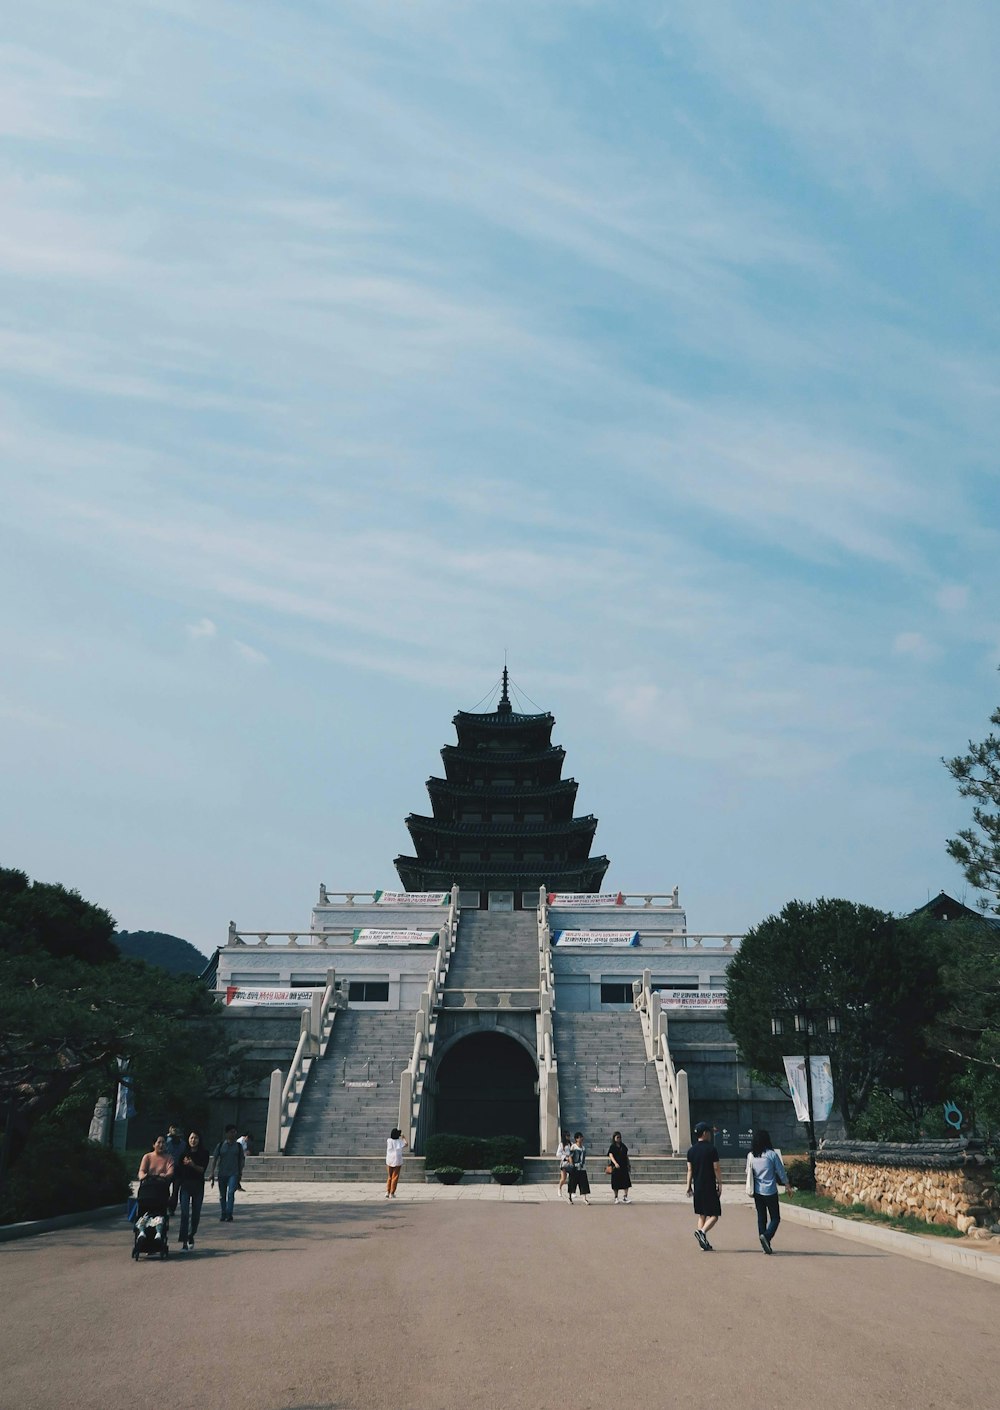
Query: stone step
[{"x": 351, "y": 1169}]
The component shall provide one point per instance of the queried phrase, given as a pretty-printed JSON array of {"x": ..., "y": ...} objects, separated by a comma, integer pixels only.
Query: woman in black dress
[{"x": 621, "y": 1175}]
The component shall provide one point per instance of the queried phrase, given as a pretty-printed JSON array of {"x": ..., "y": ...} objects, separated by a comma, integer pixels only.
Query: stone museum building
[{"x": 505, "y": 988}]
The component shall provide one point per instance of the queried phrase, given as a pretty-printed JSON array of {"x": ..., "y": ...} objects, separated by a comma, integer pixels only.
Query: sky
[{"x": 345, "y": 347}]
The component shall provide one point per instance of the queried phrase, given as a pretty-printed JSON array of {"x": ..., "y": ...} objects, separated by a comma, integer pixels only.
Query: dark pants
[
  {"x": 767, "y": 1207},
  {"x": 578, "y": 1181},
  {"x": 191, "y": 1199}
]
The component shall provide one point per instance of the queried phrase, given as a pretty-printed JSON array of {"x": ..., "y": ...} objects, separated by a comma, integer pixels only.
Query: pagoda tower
[{"x": 502, "y": 817}]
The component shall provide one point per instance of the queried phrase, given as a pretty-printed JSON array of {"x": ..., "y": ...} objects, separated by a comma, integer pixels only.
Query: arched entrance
[{"x": 486, "y": 1087}]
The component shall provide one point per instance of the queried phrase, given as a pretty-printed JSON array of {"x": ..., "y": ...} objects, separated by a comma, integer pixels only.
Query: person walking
[
  {"x": 704, "y": 1181},
  {"x": 175, "y": 1149},
  {"x": 621, "y": 1170},
  {"x": 227, "y": 1161},
  {"x": 190, "y": 1175},
  {"x": 765, "y": 1172},
  {"x": 394, "y": 1148},
  {"x": 579, "y": 1180},
  {"x": 564, "y": 1160}
]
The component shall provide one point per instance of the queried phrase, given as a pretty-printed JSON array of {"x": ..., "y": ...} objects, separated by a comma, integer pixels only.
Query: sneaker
[
  {"x": 191, "y": 1244},
  {"x": 626, "y": 1200},
  {"x": 184, "y": 1248},
  {"x": 387, "y": 1194},
  {"x": 586, "y": 1199},
  {"x": 709, "y": 1248},
  {"x": 765, "y": 1244},
  {"x": 702, "y": 1241},
  {"x": 615, "y": 1200}
]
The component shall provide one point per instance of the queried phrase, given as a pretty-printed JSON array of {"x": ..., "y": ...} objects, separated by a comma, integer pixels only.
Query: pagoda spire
[{"x": 505, "y": 707}]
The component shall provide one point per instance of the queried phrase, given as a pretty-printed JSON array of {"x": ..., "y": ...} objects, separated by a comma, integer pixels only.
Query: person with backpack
[
  {"x": 227, "y": 1160},
  {"x": 765, "y": 1172}
]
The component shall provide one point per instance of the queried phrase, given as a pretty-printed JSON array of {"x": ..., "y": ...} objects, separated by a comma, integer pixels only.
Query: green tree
[
  {"x": 873, "y": 972},
  {"x": 977, "y": 848},
  {"x": 72, "y": 1009},
  {"x": 38, "y": 916},
  {"x": 967, "y": 1033}
]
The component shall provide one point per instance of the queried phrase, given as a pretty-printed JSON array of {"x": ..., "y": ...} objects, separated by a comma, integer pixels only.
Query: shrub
[
  {"x": 474, "y": 1152},
  {"x": 506, "y": 1174},
  {"x": 506, "y": 1150},
  {"x": 57, "y": 1176},
  {"x": 800, "y": 1173}
]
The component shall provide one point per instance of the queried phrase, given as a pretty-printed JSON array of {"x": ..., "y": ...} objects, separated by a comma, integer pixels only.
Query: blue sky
[{"x": 344, "y": 346}]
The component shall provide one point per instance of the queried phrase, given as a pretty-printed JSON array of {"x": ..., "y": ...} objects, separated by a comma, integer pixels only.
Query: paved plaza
[{"x": 324, "y": 1297}]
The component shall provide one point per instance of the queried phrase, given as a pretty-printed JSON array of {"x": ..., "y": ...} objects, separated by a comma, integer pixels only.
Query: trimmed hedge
[
  {"x": 56, "y": 1176},
  {"x": 474, "y": 1152}
]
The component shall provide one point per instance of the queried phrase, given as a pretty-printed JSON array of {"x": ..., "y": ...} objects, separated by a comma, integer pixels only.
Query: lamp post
[{"x": 806, "y": 1023}]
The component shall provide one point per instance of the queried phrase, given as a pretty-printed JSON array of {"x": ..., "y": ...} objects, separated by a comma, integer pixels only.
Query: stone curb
[
  {"x": 945, "y": 1255},
  {"x": 8, "y": 1232}
]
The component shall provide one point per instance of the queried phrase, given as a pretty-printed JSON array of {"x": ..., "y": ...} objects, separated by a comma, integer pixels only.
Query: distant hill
[{"x": 170, "y": 952}]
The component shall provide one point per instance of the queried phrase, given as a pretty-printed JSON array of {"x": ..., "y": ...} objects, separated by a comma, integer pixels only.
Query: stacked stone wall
[{"x": 940, "y": 1182}]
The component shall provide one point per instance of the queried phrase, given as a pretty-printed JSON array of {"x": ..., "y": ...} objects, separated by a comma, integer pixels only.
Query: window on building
[
  {"x": 368, "y": 991},
  {"x": 717, "y": 981},
  {"x": 471, "y": 817},
  {"x": 503, "y": 817},
  {"x": 683, "y": 981},
  {"x": 309, "y": 981},
  {"x": 616, "y": 993},
  {"x": 534, "y": 817}
]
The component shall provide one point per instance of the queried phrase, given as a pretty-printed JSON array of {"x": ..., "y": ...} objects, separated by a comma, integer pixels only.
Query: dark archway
[{"x": 486, "y": 1087}]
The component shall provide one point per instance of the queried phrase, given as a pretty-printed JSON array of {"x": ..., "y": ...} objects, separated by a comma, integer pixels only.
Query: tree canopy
[
  {"x": 835, "y": 958},
  {"x": 38, "y": 916},
  {"x": 977, "y": 848},
  {"x": 72, "y": 1009}
]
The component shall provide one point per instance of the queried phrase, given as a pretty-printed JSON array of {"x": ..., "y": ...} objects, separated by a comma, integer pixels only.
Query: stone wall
[{"x": 941, "y": 1182}]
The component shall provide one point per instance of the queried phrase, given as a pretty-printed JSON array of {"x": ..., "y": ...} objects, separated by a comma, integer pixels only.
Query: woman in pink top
[{"x": 156, "y": 1162}]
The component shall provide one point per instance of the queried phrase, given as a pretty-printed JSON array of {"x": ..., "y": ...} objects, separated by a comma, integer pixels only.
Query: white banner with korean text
[
  {"x": 412, "y": 898},
  {"x": 574, "y": 899},
  {"x": 596, "y": 937},
  {"x": 369, "y": 936},
  {"x": 235, "y": 994},
  {"x": 714, "y": 999}
]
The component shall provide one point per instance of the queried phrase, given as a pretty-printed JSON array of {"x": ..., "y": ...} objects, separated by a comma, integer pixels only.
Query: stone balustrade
[{"x": 940, "y": 1182}]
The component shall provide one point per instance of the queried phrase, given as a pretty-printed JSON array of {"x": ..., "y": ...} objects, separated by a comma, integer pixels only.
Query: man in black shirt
[{"x": 704, "y": 1177}]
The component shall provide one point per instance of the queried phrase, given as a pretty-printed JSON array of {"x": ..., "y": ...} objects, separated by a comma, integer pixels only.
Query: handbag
[
  {"x": 750, "y": 1181},
  {"x": 609, "y": 1169}
]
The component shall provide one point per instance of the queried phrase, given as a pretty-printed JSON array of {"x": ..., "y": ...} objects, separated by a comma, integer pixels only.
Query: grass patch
[{"x": 861, "y": 1214}]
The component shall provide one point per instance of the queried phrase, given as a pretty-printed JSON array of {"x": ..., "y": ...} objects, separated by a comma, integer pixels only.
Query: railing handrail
[{"x": 293, "y": 1071}]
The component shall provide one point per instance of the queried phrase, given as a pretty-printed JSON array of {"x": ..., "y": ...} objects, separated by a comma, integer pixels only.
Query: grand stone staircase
[
  {"x": 606, "y": 1083},
  {"x": 495, "y": 950},
  {"x": 351, "y": 1100}
]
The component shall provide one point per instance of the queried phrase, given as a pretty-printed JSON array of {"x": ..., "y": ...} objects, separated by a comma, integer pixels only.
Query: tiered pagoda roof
[{"x": 502, "y": 816}]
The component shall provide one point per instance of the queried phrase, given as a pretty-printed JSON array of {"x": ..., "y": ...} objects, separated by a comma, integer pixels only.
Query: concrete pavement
[{"x": 497, "y": 1298}]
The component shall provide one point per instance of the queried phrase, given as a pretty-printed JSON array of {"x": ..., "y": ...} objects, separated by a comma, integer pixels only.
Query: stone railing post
[
  {"x": 272, "y": 1136},
  {"x": 683, "y": 1113},
  {"x": 406, "y": 1102},
  {"x": 316, "y": 1019}
]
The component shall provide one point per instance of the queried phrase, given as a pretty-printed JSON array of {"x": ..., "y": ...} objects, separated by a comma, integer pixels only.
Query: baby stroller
[{"x": 152, "y": 1222}]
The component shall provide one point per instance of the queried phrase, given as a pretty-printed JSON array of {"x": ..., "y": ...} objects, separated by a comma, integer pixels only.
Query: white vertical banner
[{"x": 822, "y": 1085}]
